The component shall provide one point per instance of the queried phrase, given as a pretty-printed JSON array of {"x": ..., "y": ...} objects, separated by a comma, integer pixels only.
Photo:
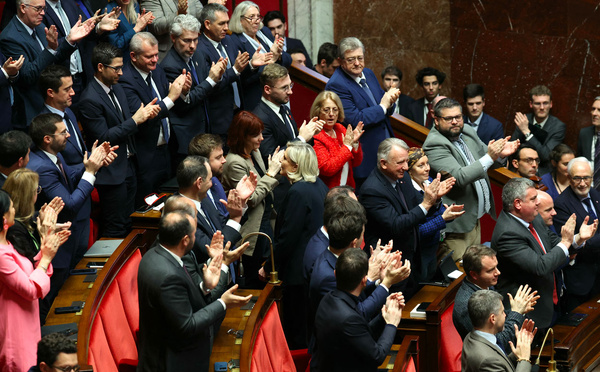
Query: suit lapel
[
  {"x": 162, "y": 252},
  {"x": 209, "y": 49},
  {"x": 390, "y": 190},
  {"x": 107, "y": 101},
  {"x": 493, "y": 347},
  {"x": 77, "y": 133}
]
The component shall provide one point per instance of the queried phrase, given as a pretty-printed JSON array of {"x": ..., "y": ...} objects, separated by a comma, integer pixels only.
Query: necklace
[{"x": 557, "y": 185}]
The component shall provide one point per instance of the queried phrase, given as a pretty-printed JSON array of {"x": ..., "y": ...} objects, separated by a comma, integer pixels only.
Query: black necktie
[
  {"x": 62, "y": 170},
  {"x": 286, "y": 120},
  {"x": 113, "y": 98},
  {"x": 591, "y": 213}
]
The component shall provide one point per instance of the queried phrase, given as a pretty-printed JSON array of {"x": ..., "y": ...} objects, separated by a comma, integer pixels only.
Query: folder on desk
[{"x": 103, "y": 248}]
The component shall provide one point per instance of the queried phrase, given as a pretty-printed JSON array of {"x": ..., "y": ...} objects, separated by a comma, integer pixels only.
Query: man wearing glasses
[
  {"x": 55, "y": 352},
  {"x": 25, "y": 36},
  {"x": 363, "y": 100},
  {"x": 582, "y": 276},
  {"x": 455, "y": 148},
  {"x": 525, "y": 161}
]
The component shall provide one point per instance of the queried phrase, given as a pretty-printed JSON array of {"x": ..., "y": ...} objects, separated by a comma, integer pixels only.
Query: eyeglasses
[
  {"x": 38, "y": 9},
  {"x": 285, "y": 88},
  {"x": 39, "y": 189},
  {"x": 354, "y": 59},
  {"x": 115, "y": 68},
  {"x": 63, "y": 133},
  {"x": 68, "y": 368},
  {"x": 579, "y": 179},
  {"x": 327, "y": 110},
  {"x": 531, "y": 160},
  {"x": 449, "y": 119},
  {"x": 253, "y": 19}
]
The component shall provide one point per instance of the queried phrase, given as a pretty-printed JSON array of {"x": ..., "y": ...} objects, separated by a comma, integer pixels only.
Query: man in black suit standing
[
  {"x": 105, "y": 116},
  {"x": 540, "y": 129},
  {"x": 275, "y": 21},
  {"x": 421, "y": 111},
  {"x": 14, "y": 153},
  {"x": 344, "y": 338},
  {"x": 588, "y": 144},
  {"x": 176, "y": 320},
  {"x": 582, "y": 275},
  {"x": 8, "y": 77}
]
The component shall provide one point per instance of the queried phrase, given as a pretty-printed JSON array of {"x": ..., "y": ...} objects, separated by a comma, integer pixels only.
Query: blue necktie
[
  {"x": 591, "y": 213},
  {"x": 363, "y": 84},
  {"x": 193, "y": 71},
  {"x": 236, "y": 93},
  {"x": 165, "y": 124}
]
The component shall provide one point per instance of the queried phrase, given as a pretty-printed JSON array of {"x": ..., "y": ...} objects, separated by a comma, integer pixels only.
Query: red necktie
[
  {"x": 537, "y": 238},
  {"x": 429, "y": 119}
]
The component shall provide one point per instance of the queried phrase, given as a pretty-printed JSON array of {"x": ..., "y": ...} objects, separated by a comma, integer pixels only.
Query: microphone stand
[
  {"x": 551, "y": 362},
  {"x": 274, "y": 275}
]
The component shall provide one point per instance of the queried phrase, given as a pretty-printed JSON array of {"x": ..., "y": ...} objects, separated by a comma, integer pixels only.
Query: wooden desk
[{"x": 148, "y": 220}]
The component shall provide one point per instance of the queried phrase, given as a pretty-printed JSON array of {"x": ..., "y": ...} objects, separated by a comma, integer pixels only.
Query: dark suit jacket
[
  {"x": 72, "y": 154},
  {"x": 299, "y": 218},
  {"x": 415, "y": 111},
  {"x": 101, "y": 122},
  {"x": 359, "y": 107},
  {"x": 315, "y": 246},
  {"x": 345, "y": 340},
  {"x": 543, "y": 140},
  {"x": 584, "y": 143},
  {"x": 276, "y": 132},
  {"x": 175, "y": 319},
  {"x": 5, "y": 105},
  {"x": 579, "y": 278},
  {"x": 488, "y": 128},
  {"x": 522, "y": 261},
  {"x": 190, "y": 119},
  {"x": 387, "y": 217},
  {"x": 221, "y": 102},
  {"x": 480, "y": 355},
  {"x": 403, "y": 102},
  {"x": 16, "y": 41},
  {"x": 297, "y": 44},
  {"x": 74, "y": 193}
]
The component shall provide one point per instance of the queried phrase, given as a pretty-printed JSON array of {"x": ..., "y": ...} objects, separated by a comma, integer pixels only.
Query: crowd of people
[{"x": 128, "y": 98}]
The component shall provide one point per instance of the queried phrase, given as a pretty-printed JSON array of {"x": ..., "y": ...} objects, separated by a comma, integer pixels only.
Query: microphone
[
  {"x": 274, "y": 277},
  {"x": 551, "y": 362}
]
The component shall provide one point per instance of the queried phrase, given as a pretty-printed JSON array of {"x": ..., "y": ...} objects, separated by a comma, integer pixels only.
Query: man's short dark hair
[
  {"x": 104, "y": 53},
  {"x": 331, "y": 201},
  {"x": 445, "y": 103},
  {"x": 517, "y": 154},
  {"x": 540, "y": 90},
  {"x": 273, "y": 14},
  {"x": 190, "y": 169},
  {"x": 473, "y": 256},
  {"x": 53, "y": 344},
  {"x": 482, "y": 304},
  {"x": 346, "y": 224},
  {"x": 327, "y": 52},
  {"x": 13, "y": 146},
  {"x": 392, "y": 70},
  {"x": 203, "y": 144},
  {"x": 43, "y": 125},
  {"x": 350, "y": 268},
  {"x": 295, "y": 51},
  {"x": 50, "y": 78},
  {"x": 429, "y": 71},
  {"x": 209, "y": 12},
  {"x": 472, "y": 91},
  {"x": 173, "y": 227}
]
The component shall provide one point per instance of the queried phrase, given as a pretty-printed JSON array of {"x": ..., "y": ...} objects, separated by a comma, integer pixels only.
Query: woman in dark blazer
[{"x": 132, "y": 22}]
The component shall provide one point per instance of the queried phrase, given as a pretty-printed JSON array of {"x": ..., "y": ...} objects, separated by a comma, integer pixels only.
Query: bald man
[{"x": 546, "y": 209}]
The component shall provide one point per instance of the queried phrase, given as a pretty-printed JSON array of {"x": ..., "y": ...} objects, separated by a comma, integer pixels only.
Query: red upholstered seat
[
  {"x": 450, "y": 344},
  {"x": 271, "y": 352},
  {"x": 411, "y": 366}
]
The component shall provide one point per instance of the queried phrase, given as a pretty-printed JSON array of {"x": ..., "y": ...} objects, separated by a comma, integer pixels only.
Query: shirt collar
[
  {"x": 51, "y": 156},
  {"x": 214, "y": 43},
  {"x": 143, "y": 73},
  {"x": 29, "y": 29},
  {"x": 275, "y": 107},
  {"x": 476, "y": 122},
  {"x": 324, "y": 232},
  {"x": 196, "y": 202},
  {"x": 542, "y": 123},
  {"x": 104, "y": 87},
  {"x": 522, "y": 221},
  {"x": 54, "y": 110},
  {"x": 358, "y": 79},
  {"x": 488, "y": 336},
  {"x": 176, "y": 257}
]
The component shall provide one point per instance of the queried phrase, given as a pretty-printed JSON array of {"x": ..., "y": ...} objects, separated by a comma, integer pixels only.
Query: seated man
[
  {"x": 327, "y": 59},
  {"x": 525, "y": 161},
  {"x": 486, "y": 126},
  {"x": 14, "y": 153},
  {"x": 344, "y": 338},
  {"x": 56, "y": 352},
  {"x": 420, "y": 111},
  {"x": 480, "y": 351},
  {"x": 481, "y": 267},
  {"x": 392, "y": 78}
]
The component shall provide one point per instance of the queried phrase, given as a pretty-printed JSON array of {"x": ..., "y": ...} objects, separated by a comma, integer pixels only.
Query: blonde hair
[
  {"x": 235, "y": 23},
  {"x": 132, "y": 15},
  {"x": 303, "y": 155},
  {"x": 22, "y": 186},
  {"x": 315, "y": 109}
]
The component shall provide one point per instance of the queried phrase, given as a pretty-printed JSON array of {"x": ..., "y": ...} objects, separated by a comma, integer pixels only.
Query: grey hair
[
  {"x": 184, "y": 22},
  {"x": 515, "y": 188},
  {"x": 445, "y": 103},
  {"x": 135, "y": 45},
  {"x": 580, "y": 159},
  {"x": 385, "y": 147},
  {"x": 482, "y": 304},
  {"x": 209, "y": 12},
  {"x": 303, "y": 155},
  {"x": 348, "y": 44},
  {"x": 235, "y": 22}
]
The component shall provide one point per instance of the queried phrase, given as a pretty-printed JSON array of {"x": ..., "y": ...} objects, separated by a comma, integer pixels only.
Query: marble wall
[{"x": 506, "y": 46}]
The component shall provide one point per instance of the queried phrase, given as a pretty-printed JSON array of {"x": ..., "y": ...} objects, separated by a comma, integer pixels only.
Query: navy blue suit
[
  {"x": 276, "y": 132},
  {"x": 221, "y": 102},
  {"x": 488, "y": 128},
  {"x": 188, "y": 120},
  {"x": 5, "y": 105},
  {"x": 315, "y": 246},
  {"x": 72, "y": 153},
  {"x": 16, "y": 41},
  {"x": 359, "y": 107}
]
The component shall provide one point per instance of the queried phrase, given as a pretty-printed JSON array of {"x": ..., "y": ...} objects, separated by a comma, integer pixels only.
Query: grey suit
[{"x": 480, "y": 355}]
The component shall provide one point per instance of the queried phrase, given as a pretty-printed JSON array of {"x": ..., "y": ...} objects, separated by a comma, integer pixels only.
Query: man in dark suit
[
  {"x": 486, "y": 126},
  {"x": 391, "y": 77},
  {"x": 25, "y": 36},
  {"x": 10, "y": 74},
  {"x": 14, "y": 153},
  {"x": 346, "y": 341},
  {"x": 582, "y": 277},
  {"x": 394, "y": 208},
  {"x": 176, "y": 319},
  {"x": 420, "y": 111},
  {"x": 480, "y": 351},
  {"x": 72, "y": 184},
  {"x": 192, "y": 118},
  {"x": 528, "y": 252},
  {"x": 105, "y": 116},
  {"x": 56, "y": 85},
  {"x": 538, "y": 128},
  {"x": 144, "y": 80},
  {"x": 327, "y": 60},
  {"x": 363, "y": 100},
  {"x": 588, "y": 144},
  {"x": 481, "y": 267},
  {"x": 524, "y": 161},
  {"x": 275, "y": 21}
]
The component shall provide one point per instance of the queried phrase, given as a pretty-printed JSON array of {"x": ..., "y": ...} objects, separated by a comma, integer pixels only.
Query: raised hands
[
  {"x": 390, "y": 97},
  {"x": 52, "y": 37},
  {"x": 233, "y": 300},
  {"x": 146, "y": 112},
  {"x": 260, "y": 59},
  {"x": 182, "y": 6},
  {"x": 431, "y": 192},
  {"x": 79, "y": 31},
  {"x": 395, "y": 271},
  {"x": 143, "y": 20},
  {"x": 241, "y": 61},
  {"x": 277, "y": 49},
  {"x": 452, "y": 212},
  {"x": 522, "y": 123},
  {"x": 308, "y": 130},
  {"x": 246, "y": 186},
  {"x": 217, "y": 69},
  {"x": 568, "y": 231},
  {"x": 524, "y": 337},
  {"x": 212, "y": 272},
  {"x": 234, "y": 205},
  {"x": 275, "y": 162},
  {"x": 392, "y": 310},
  {"x": 586, "y": 230},
  {"x": 524, "y": 300},
  {"x": 12, "y": 67},
  {"x": 46, "y": 221},
  {"x": 353, "y": 135},
  {"x": 176, "y": 87}
]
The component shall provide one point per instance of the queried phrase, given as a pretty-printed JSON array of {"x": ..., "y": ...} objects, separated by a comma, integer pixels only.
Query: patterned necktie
[{"x": 484, "y": 187}]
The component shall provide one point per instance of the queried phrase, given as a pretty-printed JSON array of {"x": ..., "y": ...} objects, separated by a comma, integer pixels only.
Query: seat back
[
  {"x": 450, "y": 343},
  {"x": 271, "y": 352}
]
